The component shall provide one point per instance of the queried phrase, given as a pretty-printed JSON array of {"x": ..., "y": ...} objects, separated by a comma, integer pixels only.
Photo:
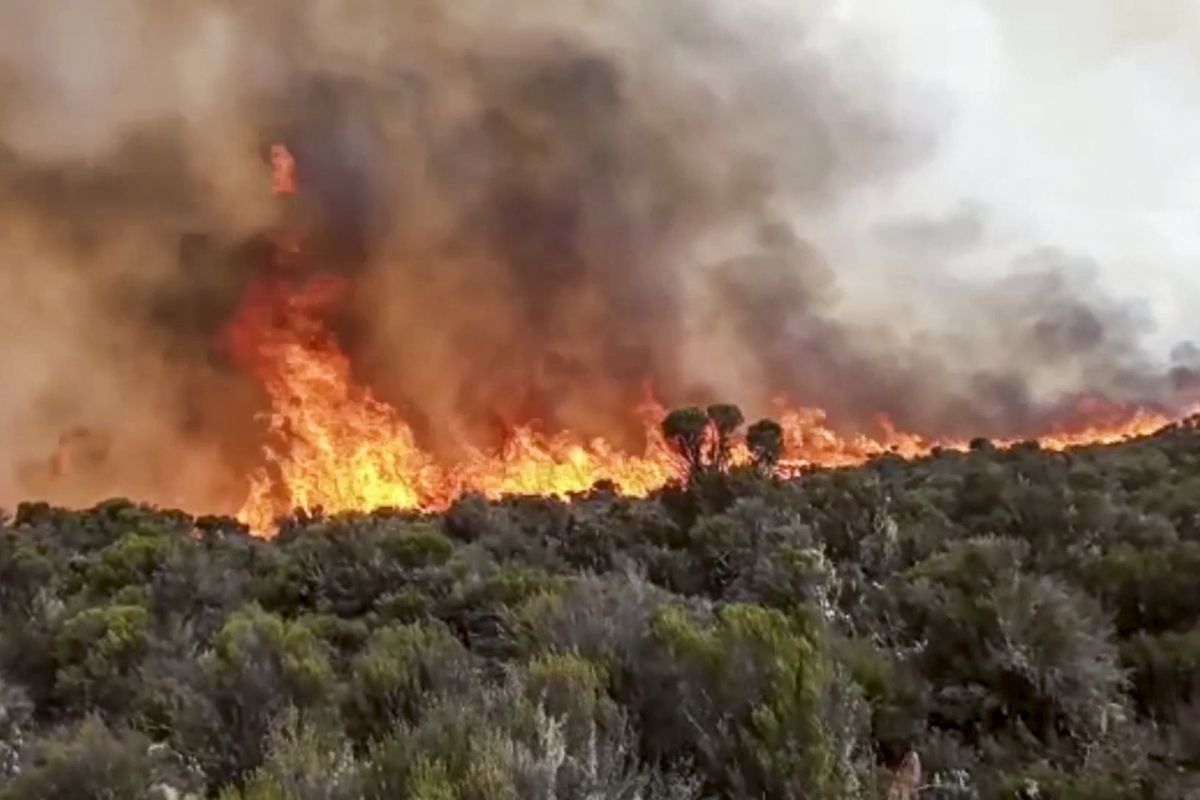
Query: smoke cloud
[{"x": 966, "y": 215}]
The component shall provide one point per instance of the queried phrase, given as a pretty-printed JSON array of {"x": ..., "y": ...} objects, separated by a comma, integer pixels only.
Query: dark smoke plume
[{"x": 541, "y": 209}]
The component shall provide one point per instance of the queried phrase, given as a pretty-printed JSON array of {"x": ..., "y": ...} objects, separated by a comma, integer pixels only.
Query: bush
[
  {"x": 1011, "y": 619},
  {"x": 747, "y": 696},
  {"x": 603, "y": 619},
  {"x": 223, "y": 712},
  {"x": 305, "y": 761},
  {"x": 16, "y": 712},
  {"x": 1003, "y": 648},
  {"x": 416, "y": 546},
  {"x": 86, "y": 761},
  {"x": 403, "y": 669},
  {"x": 131, "y": 560},
  {"x": 98, "y": 651},
  {"x": 572, "y": 691}
]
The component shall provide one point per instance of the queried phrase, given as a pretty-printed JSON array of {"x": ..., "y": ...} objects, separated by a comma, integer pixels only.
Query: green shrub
[
  {"x": 747, "y": 696},
  {"x": 571, "y": 690},
  {"x": 740, "y": 635},
  {"x": 1002, "y": 647},
  {"x": 131, "y": 560},
  {"x": 98, "y": 651},
  {"x": 253, "y": 638},
  {"x": 402, "y": 670},
  {"x": 222, "y": 712},
  {"x": 1165, "y": 671},
  {"x": 85, "y": 761},
  {"x": 416, "y": 546},
  {"x": 306, "y": 760}
]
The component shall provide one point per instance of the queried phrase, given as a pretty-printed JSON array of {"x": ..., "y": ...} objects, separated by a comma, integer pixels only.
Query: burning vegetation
[
  {"x": 335, "y": 447},
  {"x": 491, "y": 257},
  {"x": 412, "y": 331}
]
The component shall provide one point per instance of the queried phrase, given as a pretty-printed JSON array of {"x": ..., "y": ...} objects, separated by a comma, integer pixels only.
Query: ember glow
[{"x": 336, "y": 447}]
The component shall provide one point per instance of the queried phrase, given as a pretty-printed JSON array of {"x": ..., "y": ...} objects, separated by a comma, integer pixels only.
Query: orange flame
[
  {"x": 339, "y": 448},
  {"x": 344, "y": 450}
]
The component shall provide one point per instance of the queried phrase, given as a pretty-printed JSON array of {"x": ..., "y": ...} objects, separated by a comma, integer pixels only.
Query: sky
[{"x": 1068, "y": 124}]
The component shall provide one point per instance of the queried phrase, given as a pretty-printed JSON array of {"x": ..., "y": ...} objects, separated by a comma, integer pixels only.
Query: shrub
[
  {"x": 747, "y": 696},
  {"x": 88, "y": 760},
  {"x": 306, "y": 760},
  {"x": 402, "y": 670},
  {"x": 738, "y": 635},
  {"x": 16, "y": 712},
  {"x": 131, "y": 560},
  {"x": 98, "y": 651},
  {"x": 1001, "y": 647},
  {"x": 416, "y": 546},
  {"x": 222, "y": 712}
]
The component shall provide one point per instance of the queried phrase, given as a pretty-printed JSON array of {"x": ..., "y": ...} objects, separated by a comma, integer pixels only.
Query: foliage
[
  {"x": 686, "y": 429},
  {"x": 402, "y": 669},
  {"x": 85, "y": 760},
  {"x": 765, "y": 440},
  {"x": 1020, "y": 623},
  {"x": 744, "y": 696}
]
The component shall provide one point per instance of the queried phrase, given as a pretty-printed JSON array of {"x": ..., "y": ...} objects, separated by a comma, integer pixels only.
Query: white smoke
[{"x": 1068, "y": 124}]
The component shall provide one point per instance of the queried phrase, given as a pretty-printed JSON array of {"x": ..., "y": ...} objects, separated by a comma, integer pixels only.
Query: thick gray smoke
[{"x": 964, "y": 214}]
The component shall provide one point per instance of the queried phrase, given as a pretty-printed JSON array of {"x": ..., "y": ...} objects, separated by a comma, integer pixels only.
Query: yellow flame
[{"x": 338, "y": 448}]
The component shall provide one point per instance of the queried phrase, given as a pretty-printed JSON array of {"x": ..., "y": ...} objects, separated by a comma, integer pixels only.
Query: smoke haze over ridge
[{"x": 958, "y": 213}]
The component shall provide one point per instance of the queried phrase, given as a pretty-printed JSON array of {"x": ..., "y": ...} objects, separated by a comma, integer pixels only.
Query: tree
[
  {"x": 765, "y": 440},
  {"x": 725, "y": 419},
  {"x": 686, "y": 428},
  {"x": 704, "y": 437}
]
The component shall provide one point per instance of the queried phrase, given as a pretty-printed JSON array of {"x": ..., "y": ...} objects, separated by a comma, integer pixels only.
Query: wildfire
[
  {"x": 339, "y": 448},
  {"x": 342, "y": 449},
  {"x": 283, "y": 170}
]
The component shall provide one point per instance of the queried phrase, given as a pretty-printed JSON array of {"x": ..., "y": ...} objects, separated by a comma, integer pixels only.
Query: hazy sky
[{"x": 1065, "y": 123}]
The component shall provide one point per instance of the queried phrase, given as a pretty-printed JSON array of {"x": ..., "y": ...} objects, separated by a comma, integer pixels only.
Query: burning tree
[{"x": 707, "y": 440}]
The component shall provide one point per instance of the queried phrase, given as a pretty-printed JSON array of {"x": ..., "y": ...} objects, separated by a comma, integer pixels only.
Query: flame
[
  {"x": 341, "y": 449},
  {"x": 283, "y": 170},
  {"x": 336, "y": 447}
]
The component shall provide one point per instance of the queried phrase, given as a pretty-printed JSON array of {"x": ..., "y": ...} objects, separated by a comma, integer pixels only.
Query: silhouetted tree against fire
[
  {"x": 765, "y": 440},
  {"x": 726, "y": 419},
  {"x": 685, "y": 429},
  {"x": 704, "y": 437}
]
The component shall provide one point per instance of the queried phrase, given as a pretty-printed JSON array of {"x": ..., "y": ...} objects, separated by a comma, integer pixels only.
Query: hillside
[{"x": 1024, "y": 622}]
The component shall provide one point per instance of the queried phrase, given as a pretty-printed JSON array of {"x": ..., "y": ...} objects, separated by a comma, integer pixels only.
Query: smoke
[{"x": 964, "y": 214}]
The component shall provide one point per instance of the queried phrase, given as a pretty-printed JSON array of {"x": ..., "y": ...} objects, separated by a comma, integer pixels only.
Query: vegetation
[{"x": 988, "y": 624}]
